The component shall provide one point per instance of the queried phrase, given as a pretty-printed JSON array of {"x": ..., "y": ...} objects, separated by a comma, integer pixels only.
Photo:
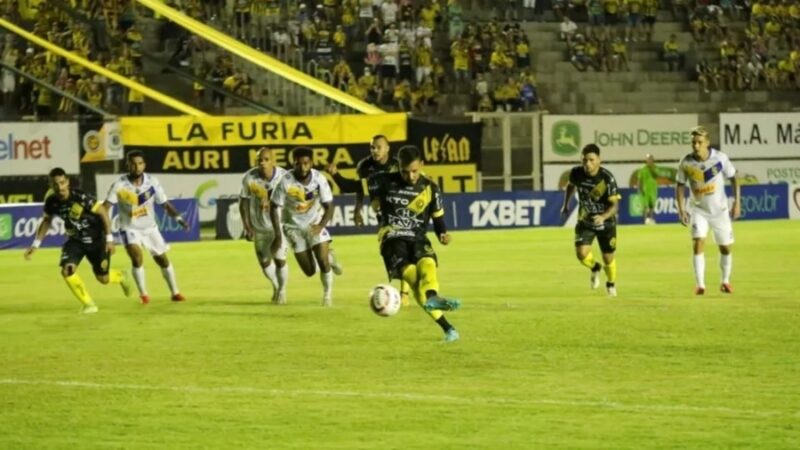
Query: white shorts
[
  {"x": 302, "y": 239},
  {"x": 150, "y": 239},
  {"x": 720, "y": 223},
  {"x": 262, "y": 241}
]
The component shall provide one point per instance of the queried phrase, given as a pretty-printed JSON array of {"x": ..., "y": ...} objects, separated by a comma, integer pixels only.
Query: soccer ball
[{"x": 384, "y": 300}]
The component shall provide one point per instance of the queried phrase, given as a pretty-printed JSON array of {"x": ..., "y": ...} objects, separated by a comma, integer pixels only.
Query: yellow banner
[{"x": 187, "y": 131}]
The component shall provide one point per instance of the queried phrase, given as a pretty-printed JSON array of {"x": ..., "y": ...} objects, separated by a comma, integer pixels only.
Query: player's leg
[
  {"x": 154, "y": 242},
  {"x": 262, "y": 243},
  {"x": 281, "y": 270},
  {"x": 71, "y": 255},
  {"x": 302, "y": 250},
  {"x": 321, "y": 248},
  {"x": 607, "y": 239},
  {"x": 723, "y": 235},
  {"x": 699, "y": 226},
  {"x": 101, "y": 266},
  {"x": 584, "y": 236},
  {"x": 132, "y": 240}
]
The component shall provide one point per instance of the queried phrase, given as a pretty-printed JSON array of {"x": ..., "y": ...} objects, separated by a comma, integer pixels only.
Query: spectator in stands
[
  {"x": 424, "y": 62},
  {"x": 402, "y": 95},
  {"x": 595, "y": 11},
  {"x": 374, "y": 33},
  {"x": 135, "y": 98},
  {"x": 704, "y": 75},
  {"x": 568, "y": 30},
  {"x": 672, "y": 53},
  {"x": 389, "y": 52},
  {"x": 619, "y": 55},
  {"x": 633, "y": 31},
  {"x": 460, "y": 54},
  {"x": 405, "y": 62},
  {"x": 527, "y": 93},
  {"x": 650, "y": 12},
  {"x": 342, "y": 74},
  {"x": 578, "y": 55},
  {"x": 611, "y": 15},
  {"x": 9, "y": 78},
  {"x": 485, "y": 104},
  {"x": 373, "y": 58}
]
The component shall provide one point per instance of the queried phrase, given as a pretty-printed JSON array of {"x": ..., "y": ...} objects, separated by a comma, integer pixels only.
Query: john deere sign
[
  {"x": 620, "y": 137},
  {"x": 566, "y": 138}
]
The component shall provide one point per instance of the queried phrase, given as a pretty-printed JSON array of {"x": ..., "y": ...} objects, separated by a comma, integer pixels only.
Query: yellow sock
[
  {"x": 411, "y": 278},
  {"x": 588, "y": 261},
  {"x": 77, "y": 287},
  {"x": 405, "y": 290},
  {"x": 115, "y": 276},
  {"x": 611, "y": 271},
  {"x": 428, "y": 281}
]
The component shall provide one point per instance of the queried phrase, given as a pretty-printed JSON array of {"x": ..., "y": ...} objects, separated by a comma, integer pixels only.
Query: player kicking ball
[
  {"x": 88, "y": 235},
  {"x": 135, "y": 194}
]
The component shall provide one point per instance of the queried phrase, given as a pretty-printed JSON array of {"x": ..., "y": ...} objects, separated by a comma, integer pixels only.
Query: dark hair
[
  {"x": 57, "y": 172},
  {"x": 300, "y": 152},
  {"x": 591, "y": 148},
  {"x": 408, "y": 154},
  {"x": 134, "y": 154},
  {"x": 380, "y": 136}
]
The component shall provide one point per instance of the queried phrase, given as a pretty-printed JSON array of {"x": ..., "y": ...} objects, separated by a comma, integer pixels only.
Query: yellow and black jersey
[
  {"x": 406, "y": 210},
  {"x": 78, "y": 213},
  {"x": 595, "y": 193}
]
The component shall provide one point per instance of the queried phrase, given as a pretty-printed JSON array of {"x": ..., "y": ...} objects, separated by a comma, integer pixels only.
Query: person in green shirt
[{"x": 648, "y": 178}]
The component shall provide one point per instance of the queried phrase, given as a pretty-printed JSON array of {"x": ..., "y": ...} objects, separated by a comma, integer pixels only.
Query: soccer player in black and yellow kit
[
  {"x": 408, "y": 201},
  {"x": 598, "y": 198},
  {"x": 88, "y": 234},
  {"x": 379, "y": 161}
]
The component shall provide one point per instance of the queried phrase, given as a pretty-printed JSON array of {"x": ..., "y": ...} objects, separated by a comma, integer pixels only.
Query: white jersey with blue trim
[
  {"x": 258, "y": 190},
  {"x": 135, "y": 202},
  {"x": 706, "y": 179},
  {"x": 301, "y": 204}
]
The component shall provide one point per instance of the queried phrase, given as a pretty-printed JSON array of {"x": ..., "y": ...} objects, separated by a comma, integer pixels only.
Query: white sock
[
  {"x": 283, "y": 277},
  {"x": 269, "y": 271},
  {"x": 138, "y": 276},
  {"x": 726, "y": 264},
  {"x": 169, "y": 275},
  {"x": 327, "y": 282},
  {"x": 700, "y": 270}
]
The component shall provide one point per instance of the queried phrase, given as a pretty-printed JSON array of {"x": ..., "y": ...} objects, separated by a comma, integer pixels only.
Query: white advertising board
[
  {"x": 760, "y": 135},
  {"x": 620, "y": 137},
  {"x": 33, "y": 148}
]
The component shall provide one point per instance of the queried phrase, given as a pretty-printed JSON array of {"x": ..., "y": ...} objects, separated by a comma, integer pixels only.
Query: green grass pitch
[{"x": 544, "y": 361}]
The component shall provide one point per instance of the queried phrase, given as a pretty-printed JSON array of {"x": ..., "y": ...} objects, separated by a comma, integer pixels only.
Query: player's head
[
  {"x": 264, "y": 160},
  {"x": 410, "y": 160},
  {"x": 301, "y": 159},
  {"x": 649, "y": 160},
  {"x": 59, "y": 182},
  {"x": 136, "y": 163},
  {"x": 700, "y": 140},
  {"x": 590, "y": 159},
  {"x": 379, "y": 148}
]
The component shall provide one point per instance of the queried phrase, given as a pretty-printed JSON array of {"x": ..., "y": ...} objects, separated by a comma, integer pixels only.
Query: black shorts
[
  {"x": 606, "y": 236},
  {"x": 73, "y": 251},
  {"x": 389, "y": 71},
  {"x": 398, "y": 253}
]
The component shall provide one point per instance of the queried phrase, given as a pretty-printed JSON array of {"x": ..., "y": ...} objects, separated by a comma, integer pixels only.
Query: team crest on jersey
[
  {"x": 75, "y": 211},
  {"x": 258, "y": 190},
  {"x": 598, "y": 190},
  {"x": 693, "y": 173},
  {"x": 104, "y": 264},
  {"x": 129, "y": 197}
]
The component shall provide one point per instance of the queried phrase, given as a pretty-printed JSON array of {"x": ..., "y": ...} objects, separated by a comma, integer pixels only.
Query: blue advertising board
[
  {"x": 18, "y": 224},
  {"x": 759, "y": 202}
]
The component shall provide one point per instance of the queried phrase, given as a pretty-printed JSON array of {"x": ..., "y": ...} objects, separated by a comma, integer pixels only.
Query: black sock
[
  {"x": 609, "y": 284},
  {"x": 444, "y": 324},
  {"x": 430, "y": 293},
  {"x": 596, "y": 267}
]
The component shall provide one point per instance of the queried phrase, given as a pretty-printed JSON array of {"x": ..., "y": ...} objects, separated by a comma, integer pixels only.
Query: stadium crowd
[{"x": 398, "y": 54}]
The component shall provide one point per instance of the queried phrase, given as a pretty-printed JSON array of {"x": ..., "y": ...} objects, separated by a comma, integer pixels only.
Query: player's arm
[
  {"x": 98, "y": 210},
  {"x": 346, "y": 185},
  {"x": 437, "y": 216},
  {"x": 175, "y": 214},
  {"x": 244, "y": 209},
  {"x": 326, "y": 199},
  {"x": 736, "y": 187},
  {"x": 610, "y": 212},
  {"x": 570, "y": 192},
  {"x": 680, "y": 198},
  {"x": 374, "y": 187},
  {"x": 41, "y": 231}
]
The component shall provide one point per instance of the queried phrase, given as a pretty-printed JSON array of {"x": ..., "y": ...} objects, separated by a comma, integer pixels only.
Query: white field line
[{"x": 416, "y": 397}]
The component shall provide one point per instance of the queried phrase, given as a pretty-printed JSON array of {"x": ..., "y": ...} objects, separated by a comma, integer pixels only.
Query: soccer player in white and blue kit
[
  {"x": 258, "y": 184},
  {"x": 303, "y": 203},
  {"x": 704, "y": 171},
  {"x": 135, "y": 194}
]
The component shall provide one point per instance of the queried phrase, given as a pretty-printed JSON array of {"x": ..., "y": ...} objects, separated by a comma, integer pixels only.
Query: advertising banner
[
  {"x": 18, "y": 224},
  {"x": 763, "y": 201},
  {"x": 100, "y": 141},
  {"x": 33, "y": 148},
  {"x": 217, "y": 145},
  {"x": 29, "y": 189},
  {"x": 466, "y": 211},
  {"x": 793, "y": 193},
  {"x": 760, "y": 135},
  {"x": 620, "y": 137}
]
